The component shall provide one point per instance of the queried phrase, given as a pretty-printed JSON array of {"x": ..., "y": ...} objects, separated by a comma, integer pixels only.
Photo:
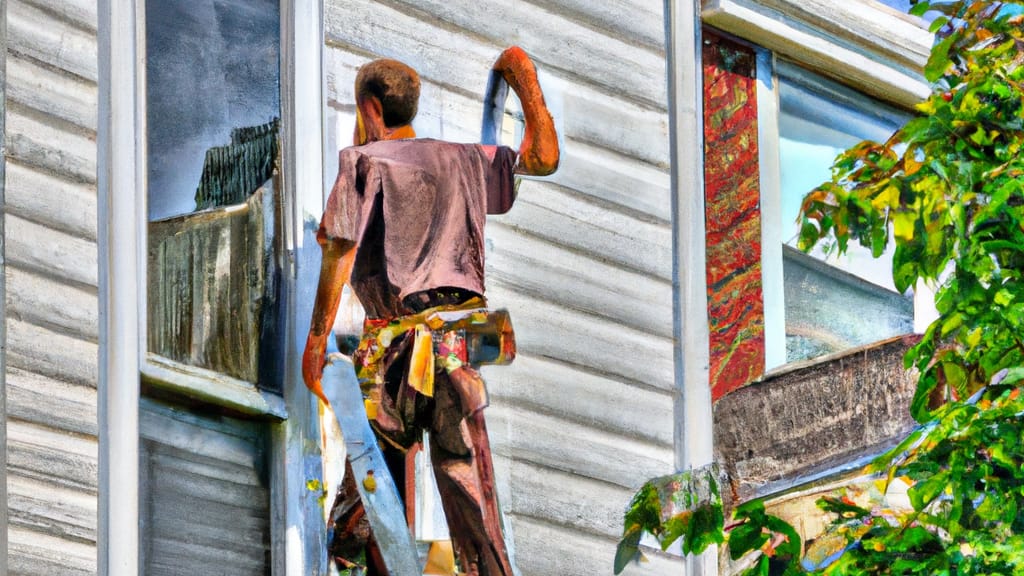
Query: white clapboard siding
[
  {"x": 50, "y": 280},
  {"x": 583, "y": 260},
  {"x": 203, "y": 492}
]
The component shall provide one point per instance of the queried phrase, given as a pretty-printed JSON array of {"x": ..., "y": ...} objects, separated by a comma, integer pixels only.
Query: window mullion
[{"x": 771, "y": 211}]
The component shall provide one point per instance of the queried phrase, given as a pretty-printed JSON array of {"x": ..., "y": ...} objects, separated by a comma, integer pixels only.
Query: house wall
[
  {"x": 50, "y": 280},
  {"x": 583, "y": 260}
]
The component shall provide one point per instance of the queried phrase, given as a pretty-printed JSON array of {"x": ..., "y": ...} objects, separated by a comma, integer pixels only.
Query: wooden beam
[
  {"x": 693, "y": 425},
  {"x": 121, "y": 210}
]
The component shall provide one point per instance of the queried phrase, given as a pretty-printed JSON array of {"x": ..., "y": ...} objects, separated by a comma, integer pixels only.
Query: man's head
[{"x": 387, "y": 96}]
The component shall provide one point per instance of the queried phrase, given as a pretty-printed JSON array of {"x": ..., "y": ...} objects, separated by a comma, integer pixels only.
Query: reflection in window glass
[
  {"x": 212, "y": 66},
  {"x": 839, "y": 302}
]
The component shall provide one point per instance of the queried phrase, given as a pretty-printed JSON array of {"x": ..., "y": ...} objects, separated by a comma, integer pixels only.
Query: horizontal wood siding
[
  {"x": 204, "y": 494},
  {"x": 51, "y": 278},
  {"x": 583, "y": 260}
]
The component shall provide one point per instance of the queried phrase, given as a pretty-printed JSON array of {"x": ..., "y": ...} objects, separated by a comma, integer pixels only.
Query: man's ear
[{"x": 369, "y": 121}]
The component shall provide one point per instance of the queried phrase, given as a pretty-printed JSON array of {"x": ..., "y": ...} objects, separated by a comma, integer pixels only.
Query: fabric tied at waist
[{"x": 443, "y": 338}]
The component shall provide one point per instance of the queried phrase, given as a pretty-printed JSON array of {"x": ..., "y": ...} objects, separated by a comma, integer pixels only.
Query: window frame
[
  {"x": 165, "y": 374},
  {"x": 296, "y": 516},
  {"x": 863, "y": 45}
]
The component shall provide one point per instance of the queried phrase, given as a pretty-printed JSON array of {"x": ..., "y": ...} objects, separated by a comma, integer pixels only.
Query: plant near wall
[{"x": 947, "y": 190}]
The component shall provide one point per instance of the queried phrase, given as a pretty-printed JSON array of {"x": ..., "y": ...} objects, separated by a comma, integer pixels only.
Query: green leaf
[
  {"x": 926, "y": 383},
  {"x": 746, "y": 538},
  {"x": 939, "y": 60},
  {"x": 791, "y": 547},
  {"x": 939, "y": 22},
  {"x": 925, "y": 491},
  {"x": 628, "y": 549},
  {"x": 905, "y": 266},
  {"x": 675, "y": 528},
  {"x": 843, "y": 509},
  {"x": 704, "y": 529}
]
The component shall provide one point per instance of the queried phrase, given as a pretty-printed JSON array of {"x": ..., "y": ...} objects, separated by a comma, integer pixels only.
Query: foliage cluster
[{"x": 947, "y": 190}]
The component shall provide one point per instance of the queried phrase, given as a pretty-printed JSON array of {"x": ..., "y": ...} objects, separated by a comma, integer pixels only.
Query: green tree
[{"x": 947, "y": 190}]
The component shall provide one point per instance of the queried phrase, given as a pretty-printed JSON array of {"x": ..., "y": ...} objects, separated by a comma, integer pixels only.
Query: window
[
  {"x": 850, "y": 300},
  {"x": 212, "y": 107},
  {"x": 212, "y": 380},
  {"x": 211, "y": 68},
  {"x": 828, "y": 75}
]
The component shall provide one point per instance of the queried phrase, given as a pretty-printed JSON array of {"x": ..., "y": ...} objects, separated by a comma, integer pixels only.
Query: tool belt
[{"x": 443, "y": 338}]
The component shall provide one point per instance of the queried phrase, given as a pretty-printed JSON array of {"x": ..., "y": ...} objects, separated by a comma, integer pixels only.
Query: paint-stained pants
[{"x": 461, "y": 458}]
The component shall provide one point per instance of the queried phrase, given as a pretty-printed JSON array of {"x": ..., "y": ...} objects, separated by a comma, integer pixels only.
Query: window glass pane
[
  {"x": 828, "y": 300},
  {"x": 212, "y": 103},
  {"x": 212, "y": 66}
]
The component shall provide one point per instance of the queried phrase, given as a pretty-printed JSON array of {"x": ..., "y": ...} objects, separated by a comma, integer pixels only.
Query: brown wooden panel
[{"x": 814, "y": 417}]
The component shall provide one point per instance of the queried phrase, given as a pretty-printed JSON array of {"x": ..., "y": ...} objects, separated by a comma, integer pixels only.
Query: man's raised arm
[{"x": 538, "y": 152}]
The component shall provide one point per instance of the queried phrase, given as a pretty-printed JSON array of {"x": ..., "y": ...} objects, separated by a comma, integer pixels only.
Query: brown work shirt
[{"x": 416, "y": 211}]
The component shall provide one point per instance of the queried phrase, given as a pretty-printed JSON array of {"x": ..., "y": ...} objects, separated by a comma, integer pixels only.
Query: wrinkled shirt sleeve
[
  {"x": 343, "y": 214},
  {"x": 501, "y": 190}
]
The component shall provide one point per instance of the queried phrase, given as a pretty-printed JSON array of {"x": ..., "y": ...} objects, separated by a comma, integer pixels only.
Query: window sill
[
  {"x": 822, "y": 361},
  {"x": 861, "y": 43},
  {"x": 815, "y": 417},
  {"x": 211, "y": 387}
]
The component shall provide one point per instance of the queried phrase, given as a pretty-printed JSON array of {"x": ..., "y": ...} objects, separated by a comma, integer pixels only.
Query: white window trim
[
  {"x": 120, "y": 287},
  {"x": 770, "y": 173},
  {"x": 863, "y": 44},
  {"x": 694, "y": 429},
  {"x": 297, "y": 520}
]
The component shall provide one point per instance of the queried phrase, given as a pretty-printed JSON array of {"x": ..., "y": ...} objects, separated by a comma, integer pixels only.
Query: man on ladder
[{"x": 404, "y": 228}]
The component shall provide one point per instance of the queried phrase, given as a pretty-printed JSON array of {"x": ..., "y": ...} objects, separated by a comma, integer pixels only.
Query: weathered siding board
[
  {"x": 640, "y": 303},
  {"x": 36, "y": 34},
  {"x": 37, "y": 451},
  {"x": 74, "y": 519},
  {"x": 50, "y": 201},
  {"x": 609, "y": 176},
  {"x": 51, "y": 353},
  {"x": 627, "y": 20},
  {"x": 545, "y": 548},
  {"x": 32, "y": 553},
  {"x": 78, "y": 13},
  {"x": 70, "y": 310},
  {"x": 583, "y": 260},
  {"x": 51, "y": 252},
  {"x": 34, "y": 139},
  {"x": 204, "y": 493},
  {"x": 35, "y": 398},
  {"x": 543, "y": 385},
  {"x": 51, "y": 276},
  {"x": 558, "y": 42},
  {"x": 569, "y": 219},
  {"x": 39, "y": 87}
]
